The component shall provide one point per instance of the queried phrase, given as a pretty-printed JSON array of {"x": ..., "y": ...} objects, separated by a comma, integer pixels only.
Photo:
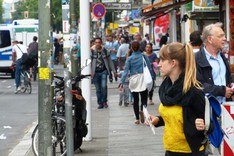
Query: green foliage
[{"x": 32, "y": 7}]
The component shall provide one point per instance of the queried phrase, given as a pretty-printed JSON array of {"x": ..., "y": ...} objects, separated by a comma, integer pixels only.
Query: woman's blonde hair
[{"x": 183, "y": 53}]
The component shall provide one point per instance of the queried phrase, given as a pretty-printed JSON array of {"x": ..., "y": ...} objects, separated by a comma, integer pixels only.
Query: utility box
[{"x": 228, "y": 127}]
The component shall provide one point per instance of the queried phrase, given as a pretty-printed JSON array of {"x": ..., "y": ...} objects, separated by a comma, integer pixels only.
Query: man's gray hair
[{"x": 208, "y": 30}]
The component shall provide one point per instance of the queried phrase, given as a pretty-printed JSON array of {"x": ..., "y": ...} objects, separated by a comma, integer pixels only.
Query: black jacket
[
  {"x": 195, "y": 109},
  {"x": 204, "y": 74}
]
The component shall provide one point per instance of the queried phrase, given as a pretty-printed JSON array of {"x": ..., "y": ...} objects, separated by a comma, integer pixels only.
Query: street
[{"x": 17, "y": 113}]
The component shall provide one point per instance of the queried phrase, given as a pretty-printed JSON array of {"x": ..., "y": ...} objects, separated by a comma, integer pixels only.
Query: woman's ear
[{"x": 173, "y": 63}]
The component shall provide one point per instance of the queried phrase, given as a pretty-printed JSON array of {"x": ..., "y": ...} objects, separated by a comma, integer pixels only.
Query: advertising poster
[
  {"x": 161, "y": 26},
  {"x": 205, "y": 5}
]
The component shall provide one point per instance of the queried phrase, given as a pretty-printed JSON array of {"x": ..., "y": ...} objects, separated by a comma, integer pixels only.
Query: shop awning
[{"x": 162, "y": 10}]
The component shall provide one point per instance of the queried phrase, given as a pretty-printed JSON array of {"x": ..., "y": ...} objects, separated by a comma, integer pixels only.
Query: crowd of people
[{"x": 188, "y": 70}]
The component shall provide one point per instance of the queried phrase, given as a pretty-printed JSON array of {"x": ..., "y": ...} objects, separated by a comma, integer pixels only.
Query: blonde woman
[{"x": 182, "y": 102}]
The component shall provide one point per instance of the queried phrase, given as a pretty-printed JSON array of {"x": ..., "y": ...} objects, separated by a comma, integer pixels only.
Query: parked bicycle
[{"x": 58, "y": 116}]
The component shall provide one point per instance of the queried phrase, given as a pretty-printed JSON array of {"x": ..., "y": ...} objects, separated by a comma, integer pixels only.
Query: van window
[{"x": 5, "y": 38}]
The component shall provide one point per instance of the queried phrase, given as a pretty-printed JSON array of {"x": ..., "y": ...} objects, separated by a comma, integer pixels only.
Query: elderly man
[{"x": 213, "y": 69}]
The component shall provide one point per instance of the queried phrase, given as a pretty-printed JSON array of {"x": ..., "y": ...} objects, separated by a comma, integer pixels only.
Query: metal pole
[
  {"x": 182, "y": 24},
  {"x": 173, "y": 34},
  {"x": 85, "y": 54},
  {"x": 44, "y": 101},
  {"x": 74, "y": 50},
  {"x": 67, "y": 76}
]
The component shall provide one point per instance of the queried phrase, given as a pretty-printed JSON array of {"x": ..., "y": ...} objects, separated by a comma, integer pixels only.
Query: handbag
[
  {"x": 136, "y": 83},
  {"x": 147, "y": 76}
]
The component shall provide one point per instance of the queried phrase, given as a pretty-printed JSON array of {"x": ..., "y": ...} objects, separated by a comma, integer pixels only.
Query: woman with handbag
[
  {"x": 134, "y": 65},
  {"x": 153, "y": 60},
  {"x": 182, "y": 102}
]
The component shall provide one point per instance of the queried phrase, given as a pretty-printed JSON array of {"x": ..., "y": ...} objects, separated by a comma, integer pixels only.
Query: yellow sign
[
  {"x": 108, "y": 32},
  {"x": 133, "y": 30},
  {"x": 114, "y": 25},
  {"x": 44, "y": 73},
  {"x": 111, "y": 25}
]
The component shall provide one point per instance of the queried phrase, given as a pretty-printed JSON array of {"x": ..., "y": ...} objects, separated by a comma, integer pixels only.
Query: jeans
[
  {"x": 124, "y": 95},
  {"x": 100, "y": 82},
  {"x": 115, "y": 65},
  {"x": 17, "y": 73}
]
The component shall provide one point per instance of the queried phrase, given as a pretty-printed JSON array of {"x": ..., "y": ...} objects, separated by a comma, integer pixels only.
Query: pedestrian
[
  {"x": 17, "y": 52},
  {"x": 153, "y": 60},
  {"x": 56, "y": 51},
  {"x": 195, "y": 40},
  {"x": 134, "y": 65},
  {"x": 182, "y": 102},
  {"x": 61, "y": 57},
  {"x": 101, "y": 67},
  {"x": 33, "y": 50},
  {"x": 213, "y": 70},
  {"x": 163, "y": 41},
  {"x": 33, "y": 47},
  {"x": 121, "y": 53},
  {"x": 112, "y": 47},
  {"x": 124, "y": 91},
  {"x": 138, "y": 37}
]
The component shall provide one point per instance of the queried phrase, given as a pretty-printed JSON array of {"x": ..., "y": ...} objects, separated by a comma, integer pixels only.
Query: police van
[{"x": 20, "y": 30}]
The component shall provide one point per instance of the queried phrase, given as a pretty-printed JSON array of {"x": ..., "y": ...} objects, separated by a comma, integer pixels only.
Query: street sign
[
  {"x": 119, "y": 6},
  {"x": 109, "y": 1},
  {"x": 99, "y": 10}
]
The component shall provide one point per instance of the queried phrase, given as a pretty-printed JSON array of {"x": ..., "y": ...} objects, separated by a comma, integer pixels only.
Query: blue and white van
[
  {"x": 6, "y": 37},
  {"x": 20, "y": 30}
]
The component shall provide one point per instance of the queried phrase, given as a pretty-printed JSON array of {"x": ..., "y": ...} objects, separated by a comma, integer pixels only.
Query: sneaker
[
  {"x": 151, "y": 102},
  {"x": 120, "y": 103},
  {"x": 105, "y": 105},
  {"x": 131, "y": 102},
  {"x": 142, "y": 118},
  {"x": 137, "y": 122},
  {"x": 100, "y": 106},
  {"x": 111, "y": 80},
  {"x": 18, "y": 90},
  {"x": 126, "y": 104}
]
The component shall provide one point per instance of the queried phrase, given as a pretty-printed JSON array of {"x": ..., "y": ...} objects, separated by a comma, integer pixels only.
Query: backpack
[
  {"x": 27, "y": 59},
  {"x": 212, "y": 114}
]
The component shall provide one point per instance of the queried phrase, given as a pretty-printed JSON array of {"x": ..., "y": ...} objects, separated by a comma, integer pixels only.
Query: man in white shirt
[
  {"x": 121, "y": 53},
  {"x": 17, "y": 52}
]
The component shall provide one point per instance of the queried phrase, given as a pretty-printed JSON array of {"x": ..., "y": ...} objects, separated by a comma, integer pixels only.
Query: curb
[{"x": 25, "y": 143}]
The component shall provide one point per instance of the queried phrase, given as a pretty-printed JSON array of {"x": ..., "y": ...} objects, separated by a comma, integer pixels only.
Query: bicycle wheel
[
  {"x": 35, "y": 141},
  {"x": 28, "y": 87},
  {"x": 59, "y": 135}
]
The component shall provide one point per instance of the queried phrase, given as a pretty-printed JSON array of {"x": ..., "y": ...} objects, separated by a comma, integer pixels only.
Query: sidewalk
[{"x": 115, "y": 134}]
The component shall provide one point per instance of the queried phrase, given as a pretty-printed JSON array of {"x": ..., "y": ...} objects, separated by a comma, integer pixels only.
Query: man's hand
[{"x": 229, "y": 92}]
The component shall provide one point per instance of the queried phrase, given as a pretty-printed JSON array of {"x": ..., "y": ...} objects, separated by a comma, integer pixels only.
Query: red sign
[
  {"x": 99, "y": 10},
  {"x": 161, "y": 26}
]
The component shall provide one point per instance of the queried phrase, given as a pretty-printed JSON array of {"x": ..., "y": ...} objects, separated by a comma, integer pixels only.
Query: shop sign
[
  {"x": 205, "y": 5},
  {"x": 109, "y": 1},
  {"x": 119, "y": 6}
]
